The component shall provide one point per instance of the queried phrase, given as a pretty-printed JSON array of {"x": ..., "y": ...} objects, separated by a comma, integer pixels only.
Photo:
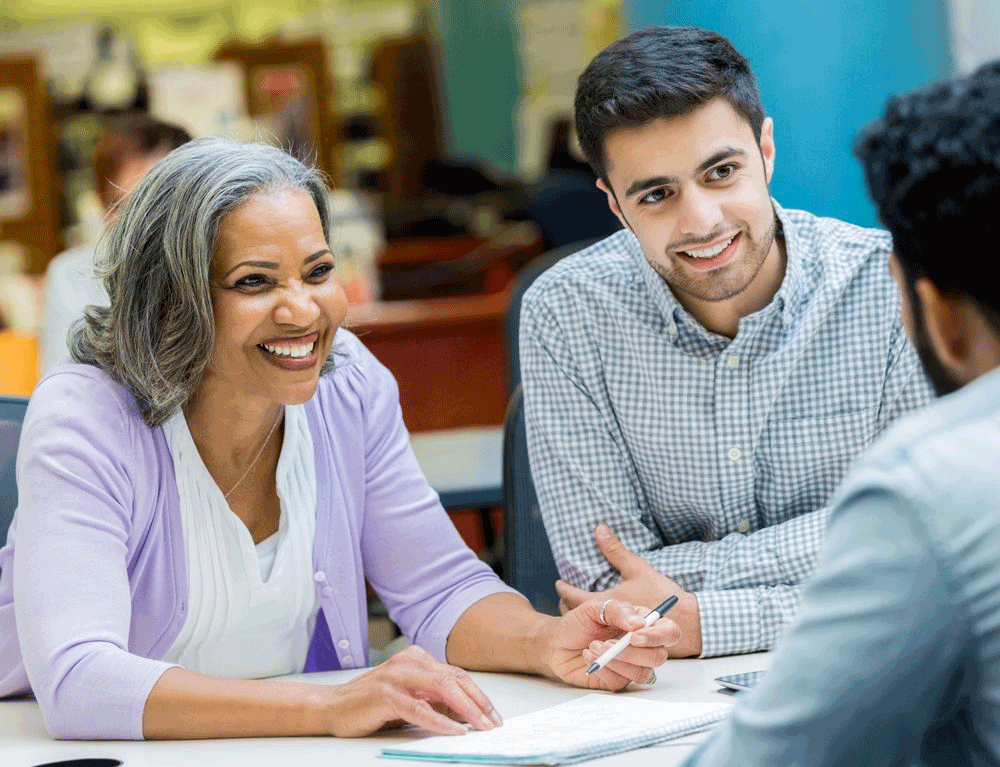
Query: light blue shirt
[{"x": 894, "y": 656}]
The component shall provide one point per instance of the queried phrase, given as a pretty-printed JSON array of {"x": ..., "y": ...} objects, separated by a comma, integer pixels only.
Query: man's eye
[
  {"x": 723, "y": 171},
  {"x": 657, "y": 195}
]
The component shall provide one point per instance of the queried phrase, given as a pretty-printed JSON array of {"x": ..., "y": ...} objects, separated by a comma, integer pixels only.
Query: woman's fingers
[
  {"x": 427, "y": 680},
  {"x": 421, "y": 713},
  {"x": 628, "y": 672},
  {"x": 649, "y": 657}
]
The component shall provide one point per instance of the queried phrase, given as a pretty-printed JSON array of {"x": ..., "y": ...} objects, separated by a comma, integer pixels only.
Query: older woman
[{"x": 205, "y": 489}]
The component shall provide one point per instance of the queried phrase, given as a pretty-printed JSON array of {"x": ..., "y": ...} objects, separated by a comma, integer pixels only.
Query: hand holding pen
[{"x": 612, "y": 652}]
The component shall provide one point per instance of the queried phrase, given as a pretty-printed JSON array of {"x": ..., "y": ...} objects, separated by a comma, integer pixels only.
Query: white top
[
  {"x": 251, "y": 609},
  {"x": 71, "y": 284}
]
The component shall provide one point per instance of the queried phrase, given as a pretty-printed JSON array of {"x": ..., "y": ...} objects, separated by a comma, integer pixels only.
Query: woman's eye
[
  {"x": 251, "y": 281},
  {"x": 321, "y": 271}
]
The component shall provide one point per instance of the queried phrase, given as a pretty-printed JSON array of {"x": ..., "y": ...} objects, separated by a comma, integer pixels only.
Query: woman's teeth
[
  {"x": 709, "y": 252},
  {"x": 302, "y": 350}
]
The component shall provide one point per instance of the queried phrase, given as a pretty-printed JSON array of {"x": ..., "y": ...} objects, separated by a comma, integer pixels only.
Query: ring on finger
[
  {"x": 601, "y": 616},
  {"x": 652, "y": 677}
]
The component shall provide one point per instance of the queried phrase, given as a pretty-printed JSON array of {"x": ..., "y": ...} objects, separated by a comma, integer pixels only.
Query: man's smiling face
[{"x": 694, "y": 191}]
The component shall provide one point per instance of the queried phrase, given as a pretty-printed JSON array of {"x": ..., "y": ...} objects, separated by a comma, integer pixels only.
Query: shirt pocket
[{"x": 801, "y": 461}]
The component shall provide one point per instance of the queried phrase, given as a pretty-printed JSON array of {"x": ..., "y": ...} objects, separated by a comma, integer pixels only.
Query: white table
[
  {"x": 463, "y": 465},
  {"x": 24, "y": 742}
]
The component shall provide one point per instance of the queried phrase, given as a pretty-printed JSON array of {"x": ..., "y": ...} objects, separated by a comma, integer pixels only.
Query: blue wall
[
  {"x": 825, "y": 69},
  {"x": 481, "y": 81}
]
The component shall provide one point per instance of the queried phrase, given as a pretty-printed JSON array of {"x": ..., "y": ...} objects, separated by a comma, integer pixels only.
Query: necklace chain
[{"x": 255, "y": 458}]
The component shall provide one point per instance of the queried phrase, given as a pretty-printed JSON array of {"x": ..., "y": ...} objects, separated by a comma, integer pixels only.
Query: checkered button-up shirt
[{"x": 711, "y": 457}]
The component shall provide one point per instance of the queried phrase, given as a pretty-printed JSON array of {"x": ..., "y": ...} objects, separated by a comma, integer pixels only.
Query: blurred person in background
[{"x": 122, "y": 156}]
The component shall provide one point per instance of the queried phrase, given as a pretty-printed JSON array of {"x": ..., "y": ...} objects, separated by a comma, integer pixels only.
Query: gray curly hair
[{"x": 157, "y": 335}]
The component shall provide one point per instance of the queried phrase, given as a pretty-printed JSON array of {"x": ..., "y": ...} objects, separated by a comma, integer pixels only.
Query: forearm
[
  {"x": 502, "y": 632},
  {"x": 183, "y": 704}
]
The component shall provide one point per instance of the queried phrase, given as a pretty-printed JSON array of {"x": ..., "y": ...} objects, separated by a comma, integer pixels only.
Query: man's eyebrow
[
  {"x": 273, "y": 265},
  {"x": 723, "y": 154},
  {"x": 651, "y": 183}
]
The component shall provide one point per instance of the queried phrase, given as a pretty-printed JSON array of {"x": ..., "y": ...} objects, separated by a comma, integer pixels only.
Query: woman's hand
[
  {"x": 579, "y": 637},
  {"x": 411, "y": 687}
]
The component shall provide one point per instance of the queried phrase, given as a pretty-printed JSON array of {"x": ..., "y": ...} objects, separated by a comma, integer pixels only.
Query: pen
[{"x": 612, "y": 652}]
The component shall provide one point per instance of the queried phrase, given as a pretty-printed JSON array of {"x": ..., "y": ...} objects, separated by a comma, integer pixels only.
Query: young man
[
  {"x": 894, "y": 657},
  {"x": 700, "y": 381}
]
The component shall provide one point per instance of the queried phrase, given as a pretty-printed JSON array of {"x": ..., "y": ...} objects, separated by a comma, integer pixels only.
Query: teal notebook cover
[{"x": 586, "y": 728}]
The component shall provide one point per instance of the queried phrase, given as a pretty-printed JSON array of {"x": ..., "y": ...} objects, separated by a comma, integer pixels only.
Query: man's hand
[
  {"x": 578, "y": 638},
  {"x": 640, "y": 584}
]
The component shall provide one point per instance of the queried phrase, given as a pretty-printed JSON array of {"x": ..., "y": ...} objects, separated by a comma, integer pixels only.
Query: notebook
[{"x": 585, "y": 728}]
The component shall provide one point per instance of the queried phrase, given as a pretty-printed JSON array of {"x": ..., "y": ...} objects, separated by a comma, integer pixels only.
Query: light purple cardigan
[{"x": 93, "y": 585}]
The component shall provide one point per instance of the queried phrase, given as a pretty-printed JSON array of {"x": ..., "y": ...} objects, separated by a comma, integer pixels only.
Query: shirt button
[
  {"x": 343, "y": 644},
  {"x": 732, "y": 361},
  {"x": 743, "y": 526},
  {"x": 319, "y": 576},
  {"x": 735, "y": 454},
  {"x": 672, "y": 331},
  {"x": 327, "y": 591},
  {"x": 347, "y": 662},
  {"x": 786, "y": 317}
]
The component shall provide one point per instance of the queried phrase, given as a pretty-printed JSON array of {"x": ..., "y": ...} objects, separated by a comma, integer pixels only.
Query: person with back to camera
[
  {"x": 206, "y": 486},
  {"x": 894, "y": 656},
  {"x": 696, "y": 385},
  {"x": 123, "y": 154}
]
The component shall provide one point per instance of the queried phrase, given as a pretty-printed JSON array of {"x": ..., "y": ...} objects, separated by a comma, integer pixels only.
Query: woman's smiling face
[{"x": 276, "y": 298}]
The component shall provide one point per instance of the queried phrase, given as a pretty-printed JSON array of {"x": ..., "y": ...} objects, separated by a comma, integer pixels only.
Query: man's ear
[
  {"x": 948, "y": 320},
  {"x": 612, "y": 202},
  {"x": 767, "y": 148}
]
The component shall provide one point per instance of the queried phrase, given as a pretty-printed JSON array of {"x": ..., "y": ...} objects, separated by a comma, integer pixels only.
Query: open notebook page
[{"x": 585, "y": 728}]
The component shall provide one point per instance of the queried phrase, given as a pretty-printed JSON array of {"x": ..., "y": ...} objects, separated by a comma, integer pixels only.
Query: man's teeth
[
  {"x": 709, "y": 252},
  {"x": 302, "y": 350}
]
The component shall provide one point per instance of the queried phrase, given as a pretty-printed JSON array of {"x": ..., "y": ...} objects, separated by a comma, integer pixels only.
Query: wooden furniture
[
  {"x": 25, "y": 741},
  {"x": 405, "y": 72},
  {"x": 425, "y": 267},
  {"x": 446, "y": 354},
  {"x": 28, "y": 209}
]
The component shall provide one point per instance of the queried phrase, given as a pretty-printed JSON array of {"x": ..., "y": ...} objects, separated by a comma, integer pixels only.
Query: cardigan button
[
  {"x": 319, "y": 576},
  {"x": 343, "y": 644},
  {"x": 327, "y": 591},
  {"x": 347, "y": 662}
]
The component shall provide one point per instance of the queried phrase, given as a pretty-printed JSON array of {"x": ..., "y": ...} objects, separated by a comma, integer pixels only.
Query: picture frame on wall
[{"x": 289, "y": 96}]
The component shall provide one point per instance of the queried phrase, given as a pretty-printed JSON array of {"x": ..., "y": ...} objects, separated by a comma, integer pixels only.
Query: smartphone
[{"x": 742, "y": 681}]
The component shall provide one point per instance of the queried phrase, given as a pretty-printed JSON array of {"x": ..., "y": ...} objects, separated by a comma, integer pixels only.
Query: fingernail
[
  {"x": 486, "y": 722},
  {"x": 639, "y": 639},
  {"x": 495, "y": 716},
  {"x": 602, "y": 531}
]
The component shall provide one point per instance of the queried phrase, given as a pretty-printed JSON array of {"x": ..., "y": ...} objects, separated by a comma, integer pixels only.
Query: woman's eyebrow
[{"x": 272, "y": 264}]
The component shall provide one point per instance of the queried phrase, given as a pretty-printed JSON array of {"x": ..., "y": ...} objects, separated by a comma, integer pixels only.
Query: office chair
[
  {"x": 528, "y": 564},
  {"x": 12, "y": 411},
  {"x": 512, "y": 315}
]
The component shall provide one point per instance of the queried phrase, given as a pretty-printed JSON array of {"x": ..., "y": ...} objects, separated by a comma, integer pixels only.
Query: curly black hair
[{"x": 932, "y": 164}]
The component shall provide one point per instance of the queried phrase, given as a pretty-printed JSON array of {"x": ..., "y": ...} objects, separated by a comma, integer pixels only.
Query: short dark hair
[
  {"x": 134, "y": 135},
  {"x": 932, "y": 164},
  {"x": 660, "y": 72}
]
